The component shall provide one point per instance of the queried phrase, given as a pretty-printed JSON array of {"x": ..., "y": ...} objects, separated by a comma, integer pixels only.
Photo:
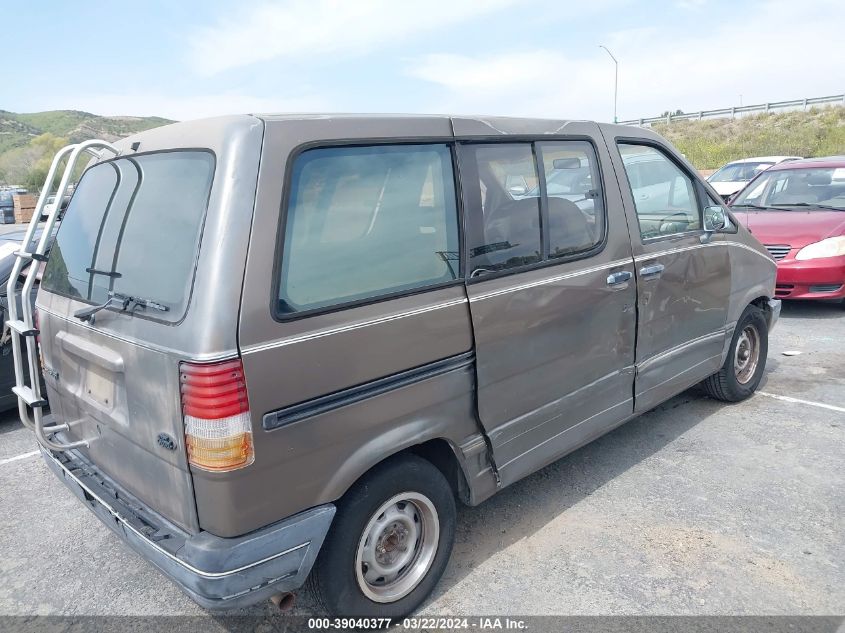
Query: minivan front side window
[
  {"x": 133, "y": 228},
  {"x": 363, "y": 222},
  {"x": 664, "y": 195}
]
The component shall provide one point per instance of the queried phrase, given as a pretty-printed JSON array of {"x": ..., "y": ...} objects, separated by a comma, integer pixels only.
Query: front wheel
[
  {"x": 389, "y": 543},
  {"x": 743, "y": 368}
]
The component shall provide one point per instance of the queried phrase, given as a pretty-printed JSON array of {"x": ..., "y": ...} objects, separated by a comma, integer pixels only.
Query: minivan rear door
[{"x": 129, "y": 241}]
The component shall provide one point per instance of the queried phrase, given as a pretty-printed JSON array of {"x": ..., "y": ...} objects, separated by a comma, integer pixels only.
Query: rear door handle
[
  {"x": 651, "y": 271},
  {"x": 616, "y": 279}
]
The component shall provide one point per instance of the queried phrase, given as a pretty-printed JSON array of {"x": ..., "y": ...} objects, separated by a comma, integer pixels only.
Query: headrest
[{"x": 819, "y": 177}]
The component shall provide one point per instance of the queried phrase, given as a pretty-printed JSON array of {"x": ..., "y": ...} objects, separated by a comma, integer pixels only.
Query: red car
[{"x": 797, "y": 209}]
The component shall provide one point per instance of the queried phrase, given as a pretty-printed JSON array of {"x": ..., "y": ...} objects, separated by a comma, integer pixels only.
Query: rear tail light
[{"x": 218, "y": 431}]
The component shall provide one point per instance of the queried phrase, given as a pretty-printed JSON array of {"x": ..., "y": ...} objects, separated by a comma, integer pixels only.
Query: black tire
[
  {"x": 725, "y": 385},
  {"x": 334, "y": 581}
]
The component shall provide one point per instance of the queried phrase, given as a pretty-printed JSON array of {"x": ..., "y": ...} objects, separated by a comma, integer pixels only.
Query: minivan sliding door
[{"x": 552, "y": 297}]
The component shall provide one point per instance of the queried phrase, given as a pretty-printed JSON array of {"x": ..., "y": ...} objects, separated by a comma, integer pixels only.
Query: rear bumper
[
  {"x": 217, "y": 573},
  {"x": 811, "y": 279}
]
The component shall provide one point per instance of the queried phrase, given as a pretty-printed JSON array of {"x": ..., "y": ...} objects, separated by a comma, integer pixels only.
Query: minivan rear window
[
  {"x": 133, "y": 227},
  {"x": 363, "y": 222}
]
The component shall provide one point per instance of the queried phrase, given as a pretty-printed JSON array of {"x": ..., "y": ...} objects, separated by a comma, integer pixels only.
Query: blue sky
[{"x": 189, "y": 59}]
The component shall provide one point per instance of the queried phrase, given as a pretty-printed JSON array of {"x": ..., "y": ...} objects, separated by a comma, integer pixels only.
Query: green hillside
[
  {"x": 709, "y": 144},
  {"x": 26, "y": 139}
]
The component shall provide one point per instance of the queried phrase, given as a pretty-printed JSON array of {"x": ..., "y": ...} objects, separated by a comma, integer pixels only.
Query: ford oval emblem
[{"x": 165, "y": 441}]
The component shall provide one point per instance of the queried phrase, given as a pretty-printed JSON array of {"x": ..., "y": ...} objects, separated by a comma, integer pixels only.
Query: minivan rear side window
[
  {"x": 133, "y": 227},
  {"x": 573, "y": 190},
  {"x": 529, "y": 203},
  {"x": 502, "y": 182},
  {"x": 364, "y": 222}
]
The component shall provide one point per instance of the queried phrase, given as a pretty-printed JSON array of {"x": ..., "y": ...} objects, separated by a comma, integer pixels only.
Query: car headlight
[{"x": 831, "y": 247}]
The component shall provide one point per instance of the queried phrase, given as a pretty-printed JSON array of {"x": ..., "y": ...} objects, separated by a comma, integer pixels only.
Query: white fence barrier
[{"x": 795, "y": 104}]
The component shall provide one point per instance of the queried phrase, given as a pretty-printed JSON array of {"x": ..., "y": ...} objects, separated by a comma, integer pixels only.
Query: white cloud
[
  {"x": 534, "y": 83},
  {"x": 302, "y": 29},
  {"x": 758, "y": 55},
  {"x": 184, "y": 108},
  {"x": 691, "y": 4}
]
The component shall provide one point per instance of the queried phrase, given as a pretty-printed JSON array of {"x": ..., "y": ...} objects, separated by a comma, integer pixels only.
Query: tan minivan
[{"x": 282, "y": 347}]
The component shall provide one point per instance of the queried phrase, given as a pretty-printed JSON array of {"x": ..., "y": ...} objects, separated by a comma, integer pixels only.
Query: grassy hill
[
  {"x": 709, "y": 144},
  {"x": 17, "y": 130},
  {"x": 25, "y": 139}
]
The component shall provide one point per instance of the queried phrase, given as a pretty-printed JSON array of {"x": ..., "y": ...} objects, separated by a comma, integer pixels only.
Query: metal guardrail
[{"x": 740, "y": 110}]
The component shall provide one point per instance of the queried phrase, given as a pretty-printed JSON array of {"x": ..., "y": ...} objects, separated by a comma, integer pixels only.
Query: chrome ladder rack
[{"x": 23, "y": 327}]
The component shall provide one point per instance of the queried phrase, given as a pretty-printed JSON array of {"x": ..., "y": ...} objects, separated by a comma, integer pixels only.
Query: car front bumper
[
  {"x": 774, "y": 312},
  {"x": 218, "y": 573},
  {"x": 822, "y": 278}
]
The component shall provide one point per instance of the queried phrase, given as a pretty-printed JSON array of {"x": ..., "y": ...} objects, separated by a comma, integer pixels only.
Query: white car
[{"x": 735, "y": 175}]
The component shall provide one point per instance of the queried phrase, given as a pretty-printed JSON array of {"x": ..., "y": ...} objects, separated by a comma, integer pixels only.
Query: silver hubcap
[
  {"x": 747, "y": 354},
  {"x": 397, "y": 547}
]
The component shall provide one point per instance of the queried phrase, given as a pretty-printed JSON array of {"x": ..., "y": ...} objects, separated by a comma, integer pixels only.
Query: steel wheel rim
[
  {"x": 397, "y": 547},
  {"x": 747, "y": 354}
]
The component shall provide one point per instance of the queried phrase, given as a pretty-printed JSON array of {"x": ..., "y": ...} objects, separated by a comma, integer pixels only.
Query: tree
[{"x": 44, "y": 148}]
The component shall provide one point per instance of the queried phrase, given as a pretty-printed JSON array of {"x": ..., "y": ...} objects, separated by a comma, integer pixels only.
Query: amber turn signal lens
[{"x": 220, "y": 454}]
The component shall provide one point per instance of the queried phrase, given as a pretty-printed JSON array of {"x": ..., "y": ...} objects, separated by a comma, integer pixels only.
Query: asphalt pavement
[{"x": 695, "y": 508}]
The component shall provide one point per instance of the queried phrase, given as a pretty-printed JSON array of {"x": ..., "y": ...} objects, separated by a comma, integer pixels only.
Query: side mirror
[
  {"x": 715, "y": 219},
  {"x": 48, "y": 208}
]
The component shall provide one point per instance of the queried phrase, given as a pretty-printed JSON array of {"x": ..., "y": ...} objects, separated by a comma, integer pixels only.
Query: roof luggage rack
[{"x": 22, "y": 330}]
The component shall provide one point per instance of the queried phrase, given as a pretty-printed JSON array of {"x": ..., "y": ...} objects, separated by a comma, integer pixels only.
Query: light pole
[{"x": 615, "y": 79}]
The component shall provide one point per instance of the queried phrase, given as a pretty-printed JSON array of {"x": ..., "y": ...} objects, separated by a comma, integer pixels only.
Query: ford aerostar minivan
[{"x": 282, "y": 347}]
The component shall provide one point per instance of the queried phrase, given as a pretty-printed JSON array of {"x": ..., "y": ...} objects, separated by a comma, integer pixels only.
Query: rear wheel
[
  {"x": 389, "y": 543},
  {"x": 743, "y": 368}
]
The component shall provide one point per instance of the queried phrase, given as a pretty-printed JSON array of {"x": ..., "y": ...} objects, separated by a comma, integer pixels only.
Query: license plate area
[
  {"x": 99, "y": 387},
  {"x": 92, "y": 373}
]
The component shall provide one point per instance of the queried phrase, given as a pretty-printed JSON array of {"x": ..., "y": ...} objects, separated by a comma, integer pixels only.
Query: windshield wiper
[
  {"x": 751, "y": 206},
  {"x": 139, "y": 302},
  {"x": 814, "y": 205},
  {"x": 123, "y": 301}
]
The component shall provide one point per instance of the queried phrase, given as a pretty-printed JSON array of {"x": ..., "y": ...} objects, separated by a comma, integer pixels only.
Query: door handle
[
  {"x": 616, "y": 279},
  {"x": 652, "y": 271}
]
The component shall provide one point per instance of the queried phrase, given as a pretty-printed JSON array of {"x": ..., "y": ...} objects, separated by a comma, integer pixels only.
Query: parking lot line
[
  {"x": 790, "y": 399},
  {"x": 16, "y": 458},
  {"x": 820, "y": 405}
]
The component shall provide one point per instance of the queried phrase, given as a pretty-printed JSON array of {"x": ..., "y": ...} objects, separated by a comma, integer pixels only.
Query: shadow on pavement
[
  {"x": 798, "y": 309},
  {"x": 549, "y": 493},
  {"x": 9, "y": 421}
]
